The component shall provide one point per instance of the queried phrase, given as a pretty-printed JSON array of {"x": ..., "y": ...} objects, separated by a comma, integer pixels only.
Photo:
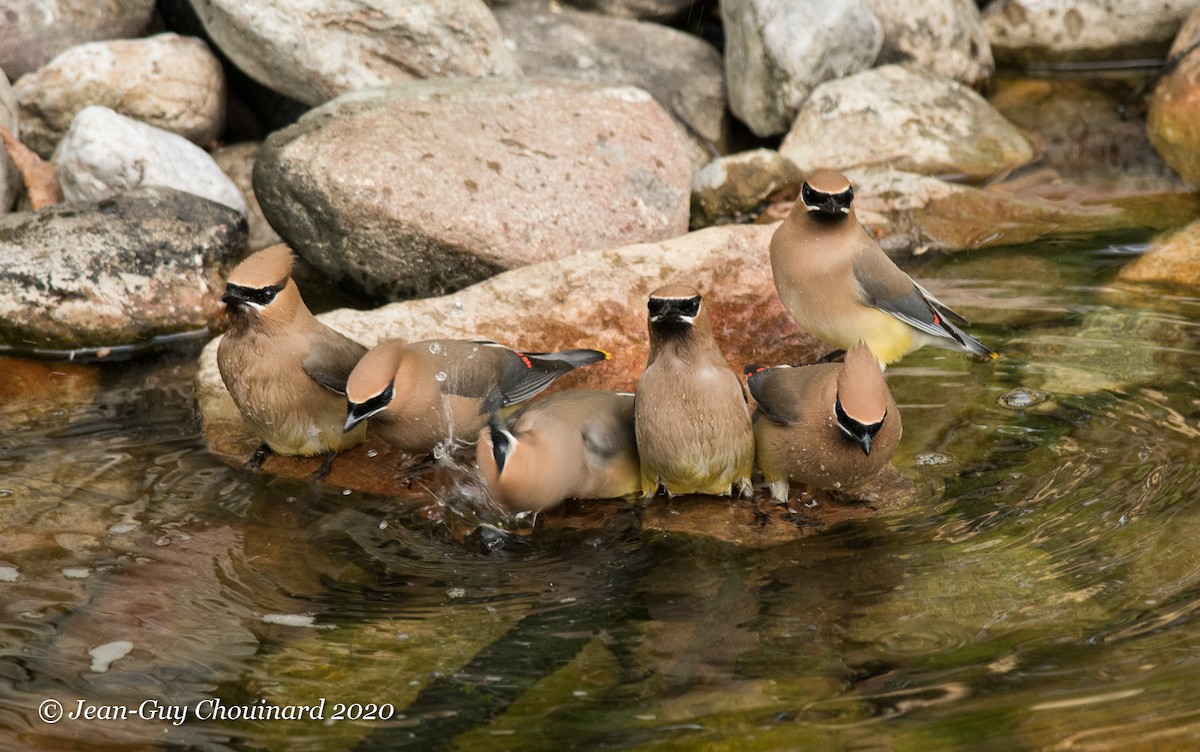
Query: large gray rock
[
  {"x": 313, "y": 51},
  {"x": 34, "y": 31},
  {"x": 777, "y": 51},
  {"x": 10, "y": 180},
  {"x": 237, "y": 161},
  {"x": 168, "y": 81},
  {"x": 427, "y": 187},
  {"x": 684, "y": 73},
  {"x": 907, "y": 118},
  {"x": 1032, "y": 31},
  {"x": 105, "y": 153},
  {"x": 945, "y": 36},
  {"x": 148, "y": 262}
]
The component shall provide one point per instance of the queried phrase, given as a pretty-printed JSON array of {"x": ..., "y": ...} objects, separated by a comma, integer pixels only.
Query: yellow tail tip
[{"x": 607, "y": 355}]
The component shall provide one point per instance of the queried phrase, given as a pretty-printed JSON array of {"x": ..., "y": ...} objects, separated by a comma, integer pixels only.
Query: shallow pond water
[{"x": 1042, "y": 593}]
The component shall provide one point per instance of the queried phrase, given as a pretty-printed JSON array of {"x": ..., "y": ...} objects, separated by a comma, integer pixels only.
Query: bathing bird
[
  {"x": 692, "y": 420},
  {"x": 838, "y": 284},
  {"x": 826, "y": 426}
]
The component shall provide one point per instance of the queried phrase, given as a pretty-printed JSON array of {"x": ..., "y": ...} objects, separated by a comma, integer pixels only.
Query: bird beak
[
  {"x": 864, "y": 441},
  {"x": 356, "y": 414},
  {"x": 233, "y": 298}
]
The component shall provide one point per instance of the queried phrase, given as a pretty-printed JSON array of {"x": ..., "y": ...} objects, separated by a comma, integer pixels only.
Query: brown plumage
[
  {"x": 421, "y": 394},
  {"x": 579, "y": 444},
  {"x": 285, "y": 370},
  {"x": 838, "y": 284},
  {"x": 692, "y": 421},
  {"x": 827, "y": 426}
]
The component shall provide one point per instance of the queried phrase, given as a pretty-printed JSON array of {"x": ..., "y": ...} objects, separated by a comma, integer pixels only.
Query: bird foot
[
  {"x": 258, "y": 458},
  {"x": 326, "y": 466}
]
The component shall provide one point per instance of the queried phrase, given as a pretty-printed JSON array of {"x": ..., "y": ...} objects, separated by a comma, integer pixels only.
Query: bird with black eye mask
[
  {"x": 826, "y": 426},
  {"x": 285, "y": 370}
]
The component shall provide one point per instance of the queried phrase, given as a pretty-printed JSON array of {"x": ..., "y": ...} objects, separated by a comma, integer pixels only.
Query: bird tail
[
  {"x": 972, "y": 345},
  {"x": 573, "y": 358}
]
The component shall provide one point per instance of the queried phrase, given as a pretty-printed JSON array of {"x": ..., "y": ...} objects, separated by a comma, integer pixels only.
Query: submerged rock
[
  {"x": 34, "y": 31},
  {"x": 777, "y": 51},
  {"x": 313, "y": 51},
  {"x": 1034, "y": 31},
  {"x": 168, "y": 81},
  {"x": 907, "y": 118},
  {"x": 429, "y": 186},
  {"x": 945, "y": 36},
  {"x": 1173, "y": 119},
  {"x": 105, "y": 153},
  {"x": 595, "y": 299},
  {"x": 682, "y": 72},
  {"x": 1173, "y": 260},
  {"x": 146, "y": 263}
]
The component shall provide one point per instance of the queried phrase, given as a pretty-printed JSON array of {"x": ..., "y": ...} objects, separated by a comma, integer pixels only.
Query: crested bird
[
  {"x": 285, "y": 370},
  {"x": 578, "y": 443},
  {"x": 837, "y": 283},
  {"x": 827, "y": 426},
  {"x": 419, "y": 394},
  {"x": 691, "y": 416}
]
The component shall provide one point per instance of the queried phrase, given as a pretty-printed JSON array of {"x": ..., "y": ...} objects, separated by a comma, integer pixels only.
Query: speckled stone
[
  {"x": 426, "y": 187},
  {"x": 168, "y": 81},
  {"x": 149, "y": 262}
]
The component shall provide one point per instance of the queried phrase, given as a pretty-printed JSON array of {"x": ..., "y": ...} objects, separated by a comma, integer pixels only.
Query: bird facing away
[
  {"x": 578, "y": 443},
  {"x": 285, "y": 370},
  {"x": 837, "y": 283},
  {"x": 419, "y": 394},
  {"x": 828, "y": 426},
  {"x": 691, "y": 418}
]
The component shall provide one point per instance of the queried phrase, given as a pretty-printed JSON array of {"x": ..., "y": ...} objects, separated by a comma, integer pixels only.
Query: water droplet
[
  {"x": 383, "y": 524},
  {"x": 372, "y": 452},
  {"x": 440, "y": 376},
  {"x": 435, "y": 348},
  {"x": 1022, "y": 398},
  {"x": 458, "y": 308}
]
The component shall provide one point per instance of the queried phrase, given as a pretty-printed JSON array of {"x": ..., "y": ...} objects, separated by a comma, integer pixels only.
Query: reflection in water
[{"x": 1042, "y": 593}]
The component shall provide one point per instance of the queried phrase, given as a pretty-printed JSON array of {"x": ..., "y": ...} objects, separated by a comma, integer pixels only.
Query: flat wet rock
[
  {"x": 911, "y": 214},
  {"x": 427, "y": 187},
  {"x": 596, "y": 299},
  {"x": 147, "y": 263}
]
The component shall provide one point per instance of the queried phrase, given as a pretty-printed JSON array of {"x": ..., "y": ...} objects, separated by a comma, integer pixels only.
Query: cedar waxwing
[
  {"x": 285, "y": 370},
  {"x": 577, "y": 444},
  {"x": 838, "y": 283},
  {"x": 828, "y": 426},
  {"x": 692, "y": 421},
  {"x": 419, "y": 394}
]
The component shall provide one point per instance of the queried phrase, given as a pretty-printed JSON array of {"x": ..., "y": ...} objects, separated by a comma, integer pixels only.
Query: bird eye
[
  {"x": 844, "y": 199},
  {"x": 810, "y": 196},
  {"x": 689, "y": 307}
]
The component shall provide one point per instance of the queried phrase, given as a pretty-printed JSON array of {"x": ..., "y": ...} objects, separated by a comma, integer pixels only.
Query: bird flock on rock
[{"x": 688, "y": 428}]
